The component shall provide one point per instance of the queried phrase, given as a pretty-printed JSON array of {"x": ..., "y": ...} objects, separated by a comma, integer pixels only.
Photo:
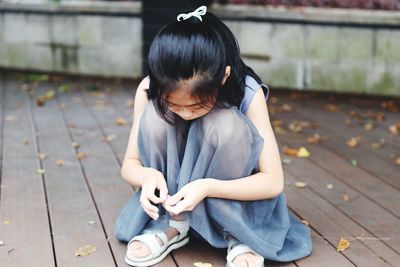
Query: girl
[{"x": 203, "y": 154}]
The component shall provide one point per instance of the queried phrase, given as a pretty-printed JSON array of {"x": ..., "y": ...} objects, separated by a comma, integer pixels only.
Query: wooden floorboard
[
  {"x": 71, "y": 205},
  {"x": 24, "y": 224},
  {"x": 77, "y": 204},
  {"x": 338, "y": 133}
]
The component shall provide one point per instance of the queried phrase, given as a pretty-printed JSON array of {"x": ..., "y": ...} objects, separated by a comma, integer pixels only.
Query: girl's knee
[
  {"x": 224, "y": 126},
  {"x": 152, "y": 125}
]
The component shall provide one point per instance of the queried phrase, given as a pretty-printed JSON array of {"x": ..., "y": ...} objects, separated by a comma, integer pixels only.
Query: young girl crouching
[{"x": 203, "y": 154}]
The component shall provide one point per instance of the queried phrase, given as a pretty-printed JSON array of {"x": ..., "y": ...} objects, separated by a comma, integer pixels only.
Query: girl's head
[{"x": 194, "y": 66}]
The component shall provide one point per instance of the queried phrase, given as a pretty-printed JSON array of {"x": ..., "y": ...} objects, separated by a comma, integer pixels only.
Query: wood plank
[
  {"x": 70, "y": 202},
  {"x": 24, "y": 222},
  {"x": 384, "y": 169},
  {"x": 100, "y": 120},
  {"x": 101, "y": 168},
  {"x": 336, "y": 122},
  {"x": 356, "y": 178},
  {"x": 359, "y": 254},
  {"x": 378, "y": 221}
]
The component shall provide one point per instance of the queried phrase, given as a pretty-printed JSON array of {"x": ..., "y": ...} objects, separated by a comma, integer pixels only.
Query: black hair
[{"x": 198, "y": 51}]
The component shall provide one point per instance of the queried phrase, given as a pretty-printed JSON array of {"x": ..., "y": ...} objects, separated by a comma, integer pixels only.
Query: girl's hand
[
  {"x": 152, "y": 180},
  {"x": 187, "y": 198}
]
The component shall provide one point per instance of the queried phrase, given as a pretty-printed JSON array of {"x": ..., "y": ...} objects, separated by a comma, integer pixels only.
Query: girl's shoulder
[{"x": 251, "y": 87}]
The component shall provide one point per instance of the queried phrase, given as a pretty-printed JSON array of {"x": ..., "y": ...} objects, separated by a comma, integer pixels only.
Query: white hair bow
[{"x": 201, "y": 11}]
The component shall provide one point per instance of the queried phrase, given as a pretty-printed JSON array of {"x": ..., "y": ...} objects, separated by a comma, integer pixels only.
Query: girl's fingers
[
  {"x": 163, "y": 192},
  {"x": 176, "y": 198}
]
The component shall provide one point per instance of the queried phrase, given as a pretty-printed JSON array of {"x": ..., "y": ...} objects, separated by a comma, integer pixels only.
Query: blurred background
[{"x": 321, "y": 45}]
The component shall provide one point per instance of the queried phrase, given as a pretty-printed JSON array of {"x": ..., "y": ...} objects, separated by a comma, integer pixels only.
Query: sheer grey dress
[{"x": 223, "y": 144}]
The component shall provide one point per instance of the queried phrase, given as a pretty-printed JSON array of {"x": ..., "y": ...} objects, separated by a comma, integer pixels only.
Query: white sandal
[
  {"x": 159, "y": 252},
  {"x": 235, "y": 249}
]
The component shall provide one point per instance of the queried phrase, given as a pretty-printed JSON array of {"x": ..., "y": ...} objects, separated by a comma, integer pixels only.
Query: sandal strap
[
  {"x": 150, "y": 240},
  {"x": 181, "y": 226}
]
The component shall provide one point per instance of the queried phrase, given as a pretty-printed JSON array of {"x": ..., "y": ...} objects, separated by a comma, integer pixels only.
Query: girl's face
[{"x": 183, "y": 104}]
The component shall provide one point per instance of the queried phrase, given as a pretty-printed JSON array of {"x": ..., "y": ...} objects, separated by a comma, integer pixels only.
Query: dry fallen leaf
[
  {"x": 348, "y": 122},
  {"x": 202, "y": 264},
  {"x": 6, "y": 222},
  {"x": 62, "y": 106},
  {"x": 300, "y": 184},
  {"x": 389, "y": 105},
  {"x": 369, "y": 126},
  {"x": 304, "y": 222},
  {"x": 50, "y": 95},
  {"x": 379, "y": 116},
  {"x": 290, "y": 151},
  {"x": 120, "y": 121},
  {"x": 397, "y": 161},
  {"x": 40, "y": 171},
  {"x": 60, "y": 162},
  {"x": 378, "y": 144},
  {"x": 111, "y": 137},
  {"x": 343, "y": 244},
  {"x": 279, "y": 130},
  {"x": 81, "y": 155},
  {"x": 329, "y": 186},
  {"x": 303, "y": 153},
  {"x": 26, "y": 141},
  {"x": 85, "y": 251},
  {"x": 315, "y": 139},
  {"x": 129, "y": 103},
  {"x": 332, "y": 108},
  {"x": 394, "y": 129},
  {"x": 42, "y": 156},
  {"x": 345, "y": 197},
  {"x": 277, "y": 123},
  {"x": 75, "y": 145},
  {"x": 353, "y": 141}
]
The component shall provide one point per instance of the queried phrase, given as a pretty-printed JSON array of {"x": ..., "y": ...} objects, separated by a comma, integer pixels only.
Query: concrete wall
[
  {"x": 312, "y": 49},
  {"x": 72, "y": 39}
]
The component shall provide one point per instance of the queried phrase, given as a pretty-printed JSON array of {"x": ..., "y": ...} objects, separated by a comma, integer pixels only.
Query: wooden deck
[{"x": 49, "y": 211}]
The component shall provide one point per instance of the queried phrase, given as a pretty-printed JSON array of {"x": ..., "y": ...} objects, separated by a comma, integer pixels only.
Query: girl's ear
[{"x": 227, "y": 73}]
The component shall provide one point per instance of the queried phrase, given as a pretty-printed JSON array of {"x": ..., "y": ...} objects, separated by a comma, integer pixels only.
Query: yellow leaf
[
  {"x": 368, "y": 126},
  {"x": 40, "y": 171},
  {"x": 343, "y": 244},
  {"x": 303, "y": 153},
  {"x": 50, "y": 94},
  {"x": 60, "y": 162},
  {"x": 300, "y": 184},
  {"x": 6, "y": 222},
  {"x": 120, "y": 121},
  {"x": 202, "y": 264},
  {"x": 353, "y": 142},
  {"x": 85, "y": 251}
]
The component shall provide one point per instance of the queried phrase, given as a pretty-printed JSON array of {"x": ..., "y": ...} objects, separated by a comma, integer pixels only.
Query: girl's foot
[
  {"x": 247, "y": 259},
  {"x": 140, "y": 250}
]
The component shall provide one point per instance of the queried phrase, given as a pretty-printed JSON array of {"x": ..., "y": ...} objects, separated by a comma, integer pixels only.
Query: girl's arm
[
  {"x": 269, "y": 181},
  {"x": 132, "y": 170}
]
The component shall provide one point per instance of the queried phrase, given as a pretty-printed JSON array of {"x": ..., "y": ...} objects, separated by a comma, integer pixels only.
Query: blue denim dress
[{"x": 224, "y": 144}]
